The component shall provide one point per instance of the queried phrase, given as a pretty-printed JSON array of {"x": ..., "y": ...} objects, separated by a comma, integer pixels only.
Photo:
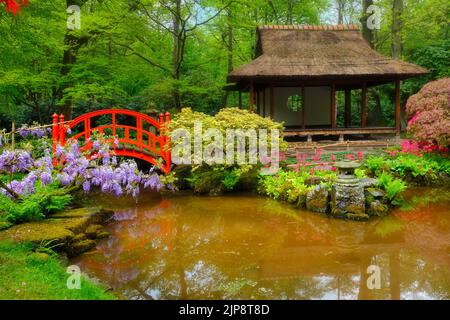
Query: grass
[{"x": 28, "y": 275}]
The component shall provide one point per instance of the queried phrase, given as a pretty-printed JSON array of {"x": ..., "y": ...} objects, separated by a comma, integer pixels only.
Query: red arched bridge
[{"x": 147, "y": 139}]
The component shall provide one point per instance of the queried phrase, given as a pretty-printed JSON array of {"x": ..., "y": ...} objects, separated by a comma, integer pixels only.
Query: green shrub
[
  {"x": 227, "y": 118},
  {"x": 393, "y": 187},
  {"x": 219, "y": 179},
  {"x": 207, "y": 179},
  {"x": 230, "y": 179},
  {"x": 37, "y": 206},
  {"x": 421, "y": 170},
  {"x": 289, "y": 186},
  {"x": 376, "y": 164}
]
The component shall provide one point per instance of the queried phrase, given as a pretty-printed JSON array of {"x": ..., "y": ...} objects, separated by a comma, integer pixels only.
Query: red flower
[
  {"x": 13, "y": 7},
  {"x": 350, "y": 157},
  {"x": 319, "y": 152},
  {"x": 360, "y": 155}
]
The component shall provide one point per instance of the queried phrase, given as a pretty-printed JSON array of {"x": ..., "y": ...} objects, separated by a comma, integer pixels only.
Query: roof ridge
[{"x": 337, "y": 27}]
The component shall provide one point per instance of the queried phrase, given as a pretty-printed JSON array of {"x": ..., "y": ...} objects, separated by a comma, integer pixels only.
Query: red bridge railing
[{"x": 147, "y": 144}]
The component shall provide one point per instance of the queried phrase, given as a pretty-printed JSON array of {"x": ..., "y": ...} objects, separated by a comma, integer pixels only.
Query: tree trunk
[
  {"x": 289, "y": 12},
  {"x": 341, "y": 7},
  {"x": 176, "y": 53},
  {"x": 229, "y": 51},
  {"x": 397, "y": 9},
  {"x": 366, "y": 32},
  {"x": 71, "y": 44}
]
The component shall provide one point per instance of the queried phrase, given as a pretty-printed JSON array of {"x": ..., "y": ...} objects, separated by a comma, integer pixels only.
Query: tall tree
[
  {"x": 368, "y": 33},
  {"x": 229, "y": 43},
  {"x": 397, "y": 45},
  {"x": 185, "y": 20},
  {"x": 72, "y": 44},
  {"x": 290, "y": 5},
  {"x": 340, "y": 9}
]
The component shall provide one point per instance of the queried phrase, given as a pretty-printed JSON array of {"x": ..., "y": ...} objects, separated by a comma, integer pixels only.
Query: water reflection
[{"x": 255, "y": 248}]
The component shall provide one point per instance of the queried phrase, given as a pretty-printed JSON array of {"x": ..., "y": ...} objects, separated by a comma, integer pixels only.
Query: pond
[{"x": 249, "y": 247}]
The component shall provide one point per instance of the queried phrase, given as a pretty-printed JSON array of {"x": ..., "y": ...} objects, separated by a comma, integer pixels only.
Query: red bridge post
[
  {"x": 62, "y": 131},
  {"x": 167, "y": 153}
]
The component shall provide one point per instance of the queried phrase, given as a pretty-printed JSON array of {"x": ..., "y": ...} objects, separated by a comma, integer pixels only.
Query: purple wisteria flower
[
  {"x": 96, "y": 145},
  {"x": 26, "y": 131},
  {"x": 15, "y": 161},
  {"x": 78, "y": 168}
]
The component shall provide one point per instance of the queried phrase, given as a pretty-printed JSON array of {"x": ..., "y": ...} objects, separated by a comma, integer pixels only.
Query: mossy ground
[{"x": 28, "y": 275}]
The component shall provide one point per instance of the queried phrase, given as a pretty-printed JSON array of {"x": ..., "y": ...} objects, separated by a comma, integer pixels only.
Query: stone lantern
[
  {"x": 347, "y": 194},
  {"x": 346, "y": 172}
]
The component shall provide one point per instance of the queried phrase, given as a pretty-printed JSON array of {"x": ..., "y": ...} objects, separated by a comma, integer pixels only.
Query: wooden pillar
[
  {"x": 258, "y": 101},
  {"x": 348, "y": 109},
  {"x": 303, "y": 108},
  {"x": 333, "y": 106},
  {"x": 272, "y": 103},
  {"x": 240, "y": 99},
  {"x": 252, "y": 96},
  {"x": 397, "y": 107},
  {"x": 264, "y": 102},
  {"x": 363, "y": 105}
]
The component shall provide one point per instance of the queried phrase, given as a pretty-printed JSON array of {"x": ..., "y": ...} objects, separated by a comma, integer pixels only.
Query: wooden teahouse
[{"x": 298, "y": 70}]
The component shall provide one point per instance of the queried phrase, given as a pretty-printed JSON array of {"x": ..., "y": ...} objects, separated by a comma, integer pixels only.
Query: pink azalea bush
[
  {"x": 429, "y": 113},
  {"x": 417, "y": 148}
]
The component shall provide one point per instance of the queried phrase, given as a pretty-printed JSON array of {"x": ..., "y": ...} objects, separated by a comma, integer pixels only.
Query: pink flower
[
  {"x": 409, "y": 146},
  {"x": 319, "y": 152},
  {"x": 333, "y": 168},
  {"x": 301, "y": 157},
  {"x": 413, "y": 119},
  {"x": 332, "y": 157},
  {"x": 265, "y": 160},
  {"x": 360, "y": 155},
  {"x": 393, "y": 153},
  {"x": 350, "y": 157}
]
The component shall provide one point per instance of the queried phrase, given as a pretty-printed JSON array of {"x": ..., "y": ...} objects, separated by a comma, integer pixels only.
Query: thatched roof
[{"x": 319, "y": 52}]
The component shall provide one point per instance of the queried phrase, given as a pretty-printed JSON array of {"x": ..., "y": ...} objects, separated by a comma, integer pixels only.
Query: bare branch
[
  {"x": 134, "y": 52},
  {"x": 159, "y": 23},
  {"x": 210, "y": 18},
  {"x": 9, "y": 190}
]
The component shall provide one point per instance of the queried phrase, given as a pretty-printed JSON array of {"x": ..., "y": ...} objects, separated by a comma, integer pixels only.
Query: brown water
[{"x": 189, "y": 247}]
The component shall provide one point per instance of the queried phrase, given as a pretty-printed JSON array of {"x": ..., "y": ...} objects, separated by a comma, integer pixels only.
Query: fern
[
  {"x": 37, "y": 206},
  {"x": 393, "y": 187}
]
